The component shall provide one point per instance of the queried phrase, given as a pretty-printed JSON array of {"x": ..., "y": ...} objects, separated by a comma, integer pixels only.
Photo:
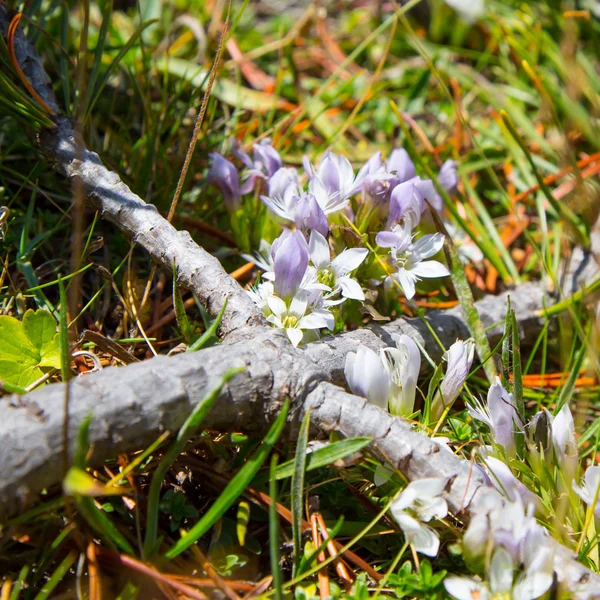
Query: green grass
[{"x": 513, "y": 98}]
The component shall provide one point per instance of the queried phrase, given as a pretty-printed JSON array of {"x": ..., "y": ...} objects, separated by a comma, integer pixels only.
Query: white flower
[
  {"x": 420, "y": 502},
  {"x": 500, "y": 415},
  {"x": 563, "y": 434},
  {"x": 403, "y": 364},
  {"x": 409, "y": 257},
  {"x": 469, "y": 10},
  {"x": 262, "y": 259},
  {"x": 588, "y": 492},
  {"x": 283, "y": 193},
  {"x": 294, "y": 319},
  {"x": 335, "y": 273},
  {"x": 367, "y": 377},
  {"x": 261, "y": 294},
  {"x": 505, "y": 482},
  {"x": 460, "y": 358},
  {"x": 530, "y": 585}
]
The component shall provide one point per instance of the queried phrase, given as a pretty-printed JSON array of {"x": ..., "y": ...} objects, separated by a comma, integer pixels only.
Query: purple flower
[
  {"x": 290, "y": 254},
  {"x": 401, "y": 166},
  {"x": 500, "y": 415},
  {"x": 448, "y": 177},
  {"x": 309, "y": 216},
  {"x": 283, "y": 192},
  {"x": 333, "y": 181},
  {"x": 224, "y": 175},
  {"x": 409, "y": 257},
  {"x": 264, "y": 164},
  {"x": 406, "y": 202}
]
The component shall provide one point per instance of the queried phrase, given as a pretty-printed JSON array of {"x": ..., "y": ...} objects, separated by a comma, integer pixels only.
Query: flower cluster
[
  {"x": 522, "y": 560},
  {"x": 309, "y": 270}
]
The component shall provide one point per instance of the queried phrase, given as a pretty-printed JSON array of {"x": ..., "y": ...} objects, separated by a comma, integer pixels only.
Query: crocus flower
[
  {"x": 264, "y": 164},
  {"x": 505, "y": 482},
  {"x": 448, "y": 177},
  {"x": 420, "y": 502},
  {"x": 298, "y": 316},
  {"x": 563, "y": 434},
  {"x": 400, "y": 164},
  {"x": 309, "y": 216},
  {"x": 532, "y": 584},
  {"x": 409, "y": 257},
  {"x": 290, "y": 254},
  {"x": 403, "y": 364},
  {"x": 283, "y": 193},
  {"x": 224, "y": 175},
  {"x": 500, "y": 415},
  {"x": 336, "y": 273},
  {"x": 460, "y": 358},
  {"x": 406, "y": 202},
  {"x": 367, "y": 377},
  {"x": 336, "y": 175},
  {"x": 588, "y": 491}
]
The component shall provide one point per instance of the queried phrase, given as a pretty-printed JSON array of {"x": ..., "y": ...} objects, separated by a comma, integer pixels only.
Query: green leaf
[
  {"x": 325, "y": 456},
  {"x": 298, "y": 489},
  {"x": 27, "y": 347}
]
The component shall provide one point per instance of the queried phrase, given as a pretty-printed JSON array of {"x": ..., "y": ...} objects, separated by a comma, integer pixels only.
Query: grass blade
[
  {"x": 298, "y": 489},
  {"x": 187, "y": 430},
  {"x": 235, "y": 487},
  {"x": 274, "y": 531},
  {"x": 324, "y": 456}
]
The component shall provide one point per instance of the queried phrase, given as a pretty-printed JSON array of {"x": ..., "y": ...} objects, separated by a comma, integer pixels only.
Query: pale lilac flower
[
  {"x": 406, "y": 202},
  {"x": 497, "y": 522},
  {"x": 500, "y": 415},
  {"x": 588, "y": 491},
  {"x": 400, "y": 164},
  {"x": 290, "y": 260},
  {"x": 295, "y": 318},
  {"x": 309, "y": 216},
  {"x": 380, "y": 179},
  {"x": 409, "y": 257},
  {"x": 420, "y": 502},
  {"x": 336, "y": 175},
  {"x": 367, "y": 377},
  {"x": 563, "y": 434},
  {"x": 224, "y": 175},
  {"x": 336, "y": 273},
  {"x": 264, "y": 164},
  {"x": 403, "y": 364},
  {"x": 504, "y": 481},
  {"x": 283, "y": 193},
  {"x": 531, "y": 584},
  {"x": 448, "y": 177},
  {"x": 460, "y": 358}
]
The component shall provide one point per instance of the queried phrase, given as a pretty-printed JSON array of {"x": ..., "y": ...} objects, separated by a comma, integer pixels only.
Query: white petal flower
[
  {"x": 463, "y": 588},
  {"x": 294, "y": 319},
  {"x": 409, "y": 258},
  {"x": 421, "y": 501},
  {"x": 588, "y": 491},
  {"x": 563, "y": 434},
  {"x": 335, "y": 274},
  {"x": 403, "y": 364},
  {"x": 367, "y": 377},
  {"x": 469, "y": 10}
]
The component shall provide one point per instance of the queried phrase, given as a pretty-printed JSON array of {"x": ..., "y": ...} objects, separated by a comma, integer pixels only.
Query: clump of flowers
[{"x": 341, "y": 232}]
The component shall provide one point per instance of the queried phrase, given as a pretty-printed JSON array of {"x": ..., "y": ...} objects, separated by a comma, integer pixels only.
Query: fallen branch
[{"x": 134, "y": 404}]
